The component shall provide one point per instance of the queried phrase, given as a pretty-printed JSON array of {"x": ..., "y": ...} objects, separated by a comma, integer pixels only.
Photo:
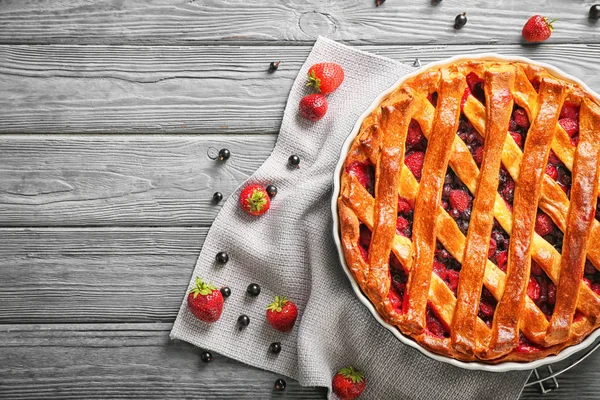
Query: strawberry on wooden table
[
  {"x": 325, "y": 77},
  {"x": 282, "y": 314},
  {"x": 205, "y": 301},
  {"x": 537, "y": 29},
  {"x": 348, "y": 383},
  {"x": 255, "y": 200}
]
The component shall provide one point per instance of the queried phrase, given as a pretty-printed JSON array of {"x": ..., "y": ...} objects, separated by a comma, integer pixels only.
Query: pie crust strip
[
  {"x": 498, "y": 87},
  {"x": 582, "y": 210},
  {"x": 505, "y": 326},
  {"x": 430, "y": 191}
]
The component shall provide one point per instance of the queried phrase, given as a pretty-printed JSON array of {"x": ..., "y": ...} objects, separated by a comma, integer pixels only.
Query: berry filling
[
  {"x": 525, "y": 346},
  {"x": 569, "y": 120},
  {"x": 475, "y": 86},
  {"x": 506, "y": 186},
  {"x": 404, "y": 219},
  {"x": 471, "y": 137},
  {"x": 433, "y": 98},
  {"x": 446, "y": 267},
  {"x": 487, "y": 306},
  {"x": 518, "y": 126},
  {"x": 415, "y": 140},
  {"x": 498, "y": 252},
  {"x": 365, "y": 173},
  {"x": 591, "y": 277},
  {"x": 557, "y": 170},
  {"x": 364, "y": 241},
  {"x": 457, "y": 200},
  {"x": 399, "y": 279},
  {"x": 435, "y": 326}
]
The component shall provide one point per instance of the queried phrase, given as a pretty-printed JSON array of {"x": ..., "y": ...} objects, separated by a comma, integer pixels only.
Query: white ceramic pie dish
[{"x": 502, "y": 367}]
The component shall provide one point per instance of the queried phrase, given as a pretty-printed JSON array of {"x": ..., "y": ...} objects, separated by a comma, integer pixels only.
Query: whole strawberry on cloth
[
  {"x": 325, "y": 77},
  {"x": 282, "y": 314},
  {"x": 348, "y": 383},
  {"x": 205, "y": 301},
  {"x": 537, "y": 29},
  {"x": 255, "y": 200}
]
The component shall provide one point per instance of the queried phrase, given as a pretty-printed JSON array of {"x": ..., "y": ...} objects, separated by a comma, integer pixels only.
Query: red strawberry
[
  {"x": 440, "y": 270},
  {"x": 543, "y": 224},
  {"x": 493, "y": 247},
  {"x": 415, "y": 134},
  {"x": 365, "y": 173},
  {"x": 551, "y": 171},
  {"x": 570, "y": 126},
  {"x": 325, "y": 77},
  {"x": 569, "y": 110},
  {"x": 521, "y": 118},
  {"x": 553, "y": 158},
  {"x": 205, "y": 301},
  {"x": 414, "y": 162},
  {"x": 486, "y": 308},
  {"x": 501, "y": 260},
  {"x": 537, "y": 29},
  {"x": 452, "y": 277},
  {"x": 313, "y": 107},
  {"x": 478, "y": 157},
  {"x": 348, "y": 384},
  {"x": 282, "y": 314},
  {"x": 460, "y": 200},
  {"x": 255, "y": 200}
]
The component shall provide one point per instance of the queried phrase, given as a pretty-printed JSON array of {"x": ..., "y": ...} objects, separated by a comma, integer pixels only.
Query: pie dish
[{"x": 479, "y": 250}]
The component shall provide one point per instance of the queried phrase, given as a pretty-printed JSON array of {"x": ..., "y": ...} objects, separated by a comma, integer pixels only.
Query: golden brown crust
[{"x": 381, "y": 142}]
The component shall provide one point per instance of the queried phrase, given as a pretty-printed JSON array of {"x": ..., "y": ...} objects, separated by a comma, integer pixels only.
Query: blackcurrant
[
  {"x": 280, "y": 385},
  {"x": 271, "y": 191},
  {"x": 595, "y": 11},
  {"x": 224, "y": 154},
  {"x": 225, "y": 291},
  {"x": 222, "y": 257},
  {"x": 275, "y": 347},
  {"x": 253, "y": 289},
  {"x": 243, "y": 320},
  {"x": 274, "y": 65},
  {"x": 217, "y": 197},
  {"x": 460, "y": 20},
  {"x": 206, "y": 357},
  {"x": 294, "y": 160}
]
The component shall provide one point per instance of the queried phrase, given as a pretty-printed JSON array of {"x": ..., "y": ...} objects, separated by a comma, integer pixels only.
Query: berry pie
[{"x": 469, "y": 212}]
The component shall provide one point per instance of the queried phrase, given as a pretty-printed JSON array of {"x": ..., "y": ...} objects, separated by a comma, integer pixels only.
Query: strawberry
[
  {"x": 325, "y": 77},
  {"x": 534, "y": 289},
  {"x": 403, "y": 205},
  {"x": 364, "y": 172},
  {"x": 205, "y": 301},
  {"x": 521, "y": 118},
  {"x": 493, "y": 248},
  {"x": 414, "y": 162},
  {"x": 401, "y": 225},
  {"x": 551, "y": 171},
  {"x": 537, "y": 29},
  {"x": 415, "y": 134},
  {"x": 459, "y": 200},
  {"x": 518, "y": 138},
  {"x": 348, "y": 383},
  {"x": 255, "y": 200},
  {"x": 569, "y": 110},
  {"x": 502, "y": 259},
  {"x": 570, "y": 125},
  {"x": 543, "y": 224},
  {"x": 282, "y": 314},
  {"x": 478, "y": 157},
  {"x": 313, "y": 107}
]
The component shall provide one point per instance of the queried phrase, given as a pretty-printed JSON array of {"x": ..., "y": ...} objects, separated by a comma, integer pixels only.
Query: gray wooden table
[{"x": 107, "y": 110}]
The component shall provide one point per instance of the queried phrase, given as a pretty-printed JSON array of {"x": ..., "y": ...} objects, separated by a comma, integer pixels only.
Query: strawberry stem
[
  {"x": 202, "y": 288},
  {"x": 353, "y": 374},
  {"x": 277, "y": 304}
]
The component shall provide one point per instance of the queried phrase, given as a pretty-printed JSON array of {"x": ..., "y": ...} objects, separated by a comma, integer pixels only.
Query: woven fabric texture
[{"x": 290, "y": 251}]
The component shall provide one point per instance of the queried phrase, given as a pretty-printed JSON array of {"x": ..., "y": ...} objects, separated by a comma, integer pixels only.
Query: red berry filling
[
  {"x": 365, "y": 173},
  {"x": 415, "y": 140},
  {"x": 398, "y": 286},
  {"x": 518, "y": 126},
  {"x": 446, "y": 267},
  {"x": 364, "y": 241},
  {"x": 569, "y": 120},
  {"x": 435, "y": 326},
  {"x": 404, "y": 219},
  {"x": 525, "y": 346},
  {"x": 498, "y": 251},
  {"x": 487, "y": 307},
  {"x": 557, "y": 170},
  {"x": 475, "y": 85},
  {"x": 472, "y": 138},
  {"x": 592, "y": 275},
  {"x": 414, "y": 161},
  {"x": 457, "y": 200},
  {"x": 433, "y": 98},
  {"x": 506, "y": 186}
]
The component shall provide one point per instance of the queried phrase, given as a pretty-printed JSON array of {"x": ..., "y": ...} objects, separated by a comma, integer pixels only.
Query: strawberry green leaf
[
  {"x": 314, "y": 81},
  {"x": 277, "y": 304},
  {"x": 201, "y": 288},
  {"x": 353, "y": 374}
]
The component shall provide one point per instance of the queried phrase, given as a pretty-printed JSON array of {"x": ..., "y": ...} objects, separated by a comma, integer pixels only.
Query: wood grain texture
[
  {"x": 95, "y": 275},
  {"x": 190, "y": 89},
  {"x": 97, "y": 361},
  {"x": 139, "y": 361},
  {"x": 255, "y": 21},
  {"x": 121, "y": 180}
]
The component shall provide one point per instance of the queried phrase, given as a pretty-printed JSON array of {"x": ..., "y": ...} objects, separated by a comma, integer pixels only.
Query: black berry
[
  {"x": 206, "y": 357},
  {"x": 595, "y": 11},
  {"x": 274, "y": 65},
  {"x": 280, "y": 385},
  {"x": 379, "y": 2},
  {"x": 294, "y": 160},
  {"x": 222, "y": 257},
  {"x": 271, "y": 190},
  {"x": 224, "y": 154},
  {"x": 243, "y": 320},
  {"x": 217, "y": 197},
  {"x": 225, "y": 291},
  {"x": 253, "y": 289},
  {"x": 460, "y": 20},
  {"x": 275, "y": 347}
]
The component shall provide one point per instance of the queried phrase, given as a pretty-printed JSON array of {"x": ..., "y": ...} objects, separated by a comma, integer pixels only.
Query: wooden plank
[
  {"x": 139, "y": 361},
  {"x": 95, "y": 361},
  {"x": 121, "y": 180},
  {"x": 190, "y": 89},
  {"x": 254, "y": 21},
  {"x": 95, "y": 275}
]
